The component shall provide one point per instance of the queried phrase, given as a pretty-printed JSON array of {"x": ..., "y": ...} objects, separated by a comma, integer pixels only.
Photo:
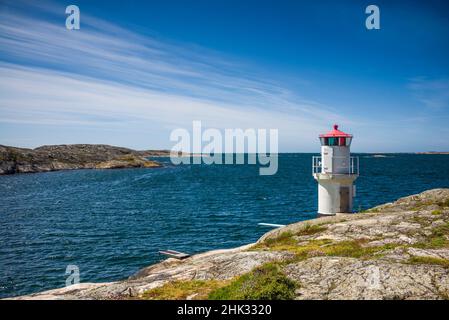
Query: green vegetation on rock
[
  {"x": 181, "y": 290},
  {"x": 325, "y": 247},
  {"x": 443, "y": 203},
  {"x": 266, "y": 282},
  {"x": 437, "y": 239},
  {"x": 429, "y": 260}
]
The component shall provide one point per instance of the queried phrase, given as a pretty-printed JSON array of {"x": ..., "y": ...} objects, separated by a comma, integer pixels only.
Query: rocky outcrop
[
  {"x": 218, "y": 264},
  {"x": 339, "y": 278},
  {"x": 398, "y": 250},
  {"x": 76, "y": 156}
]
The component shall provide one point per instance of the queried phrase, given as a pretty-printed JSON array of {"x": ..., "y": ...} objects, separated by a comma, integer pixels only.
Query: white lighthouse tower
[{"x": 335, "y": 172}]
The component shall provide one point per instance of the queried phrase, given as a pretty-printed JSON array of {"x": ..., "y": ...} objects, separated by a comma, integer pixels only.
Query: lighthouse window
[
  {"x": 348, "y": 141},
  {"x": 333, "y": 141},
  {"x": 323, "y": 141}
]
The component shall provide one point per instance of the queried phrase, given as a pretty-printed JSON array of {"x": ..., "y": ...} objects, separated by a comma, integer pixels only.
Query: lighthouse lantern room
[{"x": 335, "y": 171}]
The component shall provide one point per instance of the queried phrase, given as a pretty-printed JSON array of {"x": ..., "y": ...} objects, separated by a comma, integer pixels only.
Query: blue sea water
[{"x": 111, "y": 223}]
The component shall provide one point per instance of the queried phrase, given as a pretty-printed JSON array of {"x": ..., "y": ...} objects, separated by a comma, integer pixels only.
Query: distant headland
[{"x": 75, "y": 156}]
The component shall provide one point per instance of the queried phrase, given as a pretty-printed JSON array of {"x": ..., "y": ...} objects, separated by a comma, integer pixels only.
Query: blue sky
[{"x": 137, "y": 70}]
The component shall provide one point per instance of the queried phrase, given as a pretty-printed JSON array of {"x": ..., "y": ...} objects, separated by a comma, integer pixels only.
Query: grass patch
[
  {"x": 351, "y": 249},
  {"x": 438, "y": 238},
  {"x": 356, "y": 249},
  {"x": 310, "y": 229},
  {"x": 429, "y": 260},
  {"x": 285, "y": 238},
  {"x": 425, "y": 203},
  {"x": 266, "y": 282},
  {"x": 443, "y": 203},
  {"x": 325, "y": 247},
  {"x": 180, "y": 290},
  {"x": 436, "y": 212},
  {"x": 423, "y": 221}
]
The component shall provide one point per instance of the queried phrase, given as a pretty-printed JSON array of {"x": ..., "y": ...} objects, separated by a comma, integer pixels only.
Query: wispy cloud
[
  {"x": 433, "y": 93},
  {"x": 105, "y": 75},
  {"x": 107, "y": 84},
  {"x": 39, "y": 95},
  {"x": 106, "y": 51}
]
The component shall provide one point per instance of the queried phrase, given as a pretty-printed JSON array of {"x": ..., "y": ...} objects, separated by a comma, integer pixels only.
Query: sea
[{"x": 111, "y": 223}]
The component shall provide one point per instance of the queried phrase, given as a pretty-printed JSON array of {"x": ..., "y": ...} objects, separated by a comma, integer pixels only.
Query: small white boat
[{"x": 175, "y": 254}]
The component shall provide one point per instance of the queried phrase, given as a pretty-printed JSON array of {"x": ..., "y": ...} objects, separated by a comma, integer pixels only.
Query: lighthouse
[{"x": 335, "y": 171}]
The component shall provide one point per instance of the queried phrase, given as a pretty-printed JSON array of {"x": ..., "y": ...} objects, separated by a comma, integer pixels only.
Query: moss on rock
[{"x": 266, "y": 282}]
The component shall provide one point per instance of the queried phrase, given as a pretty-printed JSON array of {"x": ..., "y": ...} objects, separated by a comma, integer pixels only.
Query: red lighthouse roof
[{"x": 335, "y": 133}]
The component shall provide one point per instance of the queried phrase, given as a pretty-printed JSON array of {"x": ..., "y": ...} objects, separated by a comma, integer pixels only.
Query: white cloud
[
  {"x": 433, "y": 93},
  {"x": 106, "y": 76}
]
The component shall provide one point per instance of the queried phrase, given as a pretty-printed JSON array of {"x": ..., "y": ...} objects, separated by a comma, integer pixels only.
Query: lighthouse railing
[
  {"x": 352, "y": 168},
  {"x": 316, "y": 164}
]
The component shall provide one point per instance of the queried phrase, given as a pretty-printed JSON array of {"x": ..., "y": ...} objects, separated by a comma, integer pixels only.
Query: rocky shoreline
[
  {"x": 72, "y": 157},
  {"x": 434, "y": 152},
  {"x": 399, "y": 250}
]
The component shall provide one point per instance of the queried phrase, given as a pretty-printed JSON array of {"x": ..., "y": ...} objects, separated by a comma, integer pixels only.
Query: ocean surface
[{"x": 111, "y": 223}]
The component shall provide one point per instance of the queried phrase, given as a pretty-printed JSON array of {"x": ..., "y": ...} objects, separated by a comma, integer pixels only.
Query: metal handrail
[{"x": 353, "y": 167}]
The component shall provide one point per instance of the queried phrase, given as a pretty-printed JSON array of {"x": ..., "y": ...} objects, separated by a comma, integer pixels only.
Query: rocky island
[
  {"x": 398, "y": 250},
  {"x": 75, "y": 156}
]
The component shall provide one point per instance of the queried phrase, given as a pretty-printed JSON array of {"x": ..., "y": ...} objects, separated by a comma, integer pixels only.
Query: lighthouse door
[{"x": 344, "y": 199}]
